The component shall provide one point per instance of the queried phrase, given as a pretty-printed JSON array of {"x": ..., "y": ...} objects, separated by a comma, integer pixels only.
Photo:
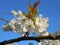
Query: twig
[{"x": 57, "y": 37}]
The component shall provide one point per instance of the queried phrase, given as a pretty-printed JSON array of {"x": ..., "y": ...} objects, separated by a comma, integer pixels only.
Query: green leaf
[{"x": 35, "y": 13}]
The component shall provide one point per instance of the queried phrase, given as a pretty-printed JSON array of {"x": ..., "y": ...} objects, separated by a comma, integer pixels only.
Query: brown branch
[{"x": 57, "y": 37}]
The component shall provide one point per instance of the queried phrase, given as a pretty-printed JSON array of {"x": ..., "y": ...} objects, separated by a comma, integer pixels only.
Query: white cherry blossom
[{"x": 21, "y": 24}]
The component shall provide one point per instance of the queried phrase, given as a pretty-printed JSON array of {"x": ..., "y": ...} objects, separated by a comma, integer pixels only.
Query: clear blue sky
[{"x": 49, "y": 8}]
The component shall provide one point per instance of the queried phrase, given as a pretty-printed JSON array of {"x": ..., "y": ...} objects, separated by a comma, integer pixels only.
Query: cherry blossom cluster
[
  {"x": 22, "y": 24},
  {"x": 49, "y": 42}
]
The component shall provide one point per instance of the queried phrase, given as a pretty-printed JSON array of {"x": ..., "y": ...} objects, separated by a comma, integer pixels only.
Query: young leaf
[{"x": 32, "y": 10}]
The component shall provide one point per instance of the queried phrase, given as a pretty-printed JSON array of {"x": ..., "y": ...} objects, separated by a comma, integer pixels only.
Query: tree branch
[{"x": 57, "y": 37}]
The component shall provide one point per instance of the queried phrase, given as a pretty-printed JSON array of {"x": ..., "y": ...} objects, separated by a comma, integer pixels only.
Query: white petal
[
  {"x": 24, "y": 29},
  {"x": 45, "y": 19},
  {"x": 13, "y": 21},
  {"x": 40, "y": 16},
  {"x": 14, "y": 12},
  {"x": 19, "y": 12},
  {"x": 45, "y": 34},
  {"x": 23, "y": 34}
]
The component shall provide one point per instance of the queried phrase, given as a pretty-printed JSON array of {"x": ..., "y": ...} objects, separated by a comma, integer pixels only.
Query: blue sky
[{"x": 48, "y": 8}]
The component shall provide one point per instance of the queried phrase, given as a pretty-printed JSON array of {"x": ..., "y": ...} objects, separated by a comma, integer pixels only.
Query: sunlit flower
[
  {"x": 14, "y": 12},
  {"x": 13, "y": 21},
  {"x": 45, "y": 34},
  {"x": 24, "y": 29},
  {"x": 23, "y": 35},
  {"x": 20, "y": 15},
  {"x": 21, "y": 24}
]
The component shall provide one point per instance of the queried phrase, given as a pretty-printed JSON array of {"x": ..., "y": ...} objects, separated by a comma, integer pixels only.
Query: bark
[{"x": 56, "y": 37}]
